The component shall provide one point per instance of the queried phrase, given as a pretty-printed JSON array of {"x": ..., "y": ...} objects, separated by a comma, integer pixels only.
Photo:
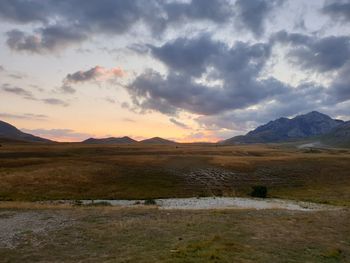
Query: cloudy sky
[{"x": 199, "y": 70}]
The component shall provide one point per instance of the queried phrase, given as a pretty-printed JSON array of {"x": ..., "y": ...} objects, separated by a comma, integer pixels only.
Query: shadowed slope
[{"x": 10, "y": 132}]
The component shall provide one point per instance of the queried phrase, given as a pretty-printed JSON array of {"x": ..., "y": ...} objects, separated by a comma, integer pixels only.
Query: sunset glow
[{"x": 181, "y": 70}]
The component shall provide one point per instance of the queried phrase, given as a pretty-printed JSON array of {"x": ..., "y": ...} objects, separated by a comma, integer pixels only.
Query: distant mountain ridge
[
  {"x": 283, "y": 129},
  {"x": 10, "y": 132},
  {"x": 110, "y": 140},
  {"x": 157, "y": 140},
  {"x": 310, "y": 126},
  {"x": 128, "y": 140}
]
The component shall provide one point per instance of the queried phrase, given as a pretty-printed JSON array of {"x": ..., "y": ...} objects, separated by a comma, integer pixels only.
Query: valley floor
[
  {"x": 75, "y": 171},
  {"x": 33, "y": 229}
]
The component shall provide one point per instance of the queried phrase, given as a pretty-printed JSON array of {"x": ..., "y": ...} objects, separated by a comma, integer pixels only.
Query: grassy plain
[
  {"x": 32, "y": 232},
  {"x": 151, "y": 235},
  {"x": 30, "y": 172}
]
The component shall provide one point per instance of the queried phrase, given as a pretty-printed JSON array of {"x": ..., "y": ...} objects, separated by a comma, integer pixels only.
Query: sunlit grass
[{"x": 75, "y": 171}]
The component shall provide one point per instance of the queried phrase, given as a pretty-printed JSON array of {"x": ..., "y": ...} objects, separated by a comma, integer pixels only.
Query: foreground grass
[
  {"x": 75, "y": 171},
  {"x": 152, "y": 235}
]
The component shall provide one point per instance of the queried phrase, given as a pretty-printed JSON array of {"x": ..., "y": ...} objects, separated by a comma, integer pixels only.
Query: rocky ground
[{"x": 25, "y": 226}]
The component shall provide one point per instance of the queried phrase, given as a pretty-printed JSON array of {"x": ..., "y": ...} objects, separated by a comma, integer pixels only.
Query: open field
[
  {"x": 76, "y": 171},
  {"x": 150, "y": 235},
  {"x": 45, "y": 232}
]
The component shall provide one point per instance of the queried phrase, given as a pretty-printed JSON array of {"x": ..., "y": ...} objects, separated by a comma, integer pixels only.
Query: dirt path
[{"x": 221, "y": 203}]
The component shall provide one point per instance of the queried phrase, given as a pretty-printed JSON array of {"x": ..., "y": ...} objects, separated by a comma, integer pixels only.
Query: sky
[{"x": 186, "y": 70}]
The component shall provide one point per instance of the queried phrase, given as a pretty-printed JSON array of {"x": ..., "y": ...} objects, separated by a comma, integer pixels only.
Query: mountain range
[
  {"x": 307, "y": 126},
  {"x": 127, "y": 140},
  {"x": 340, "y": 136},
  {"x": 311, "y": 126}
]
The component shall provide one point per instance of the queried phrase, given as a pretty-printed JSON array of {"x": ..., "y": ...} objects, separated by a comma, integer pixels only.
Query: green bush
[
  {"x": 259, "y": 191},
  {"x": 150, "y": 202}
]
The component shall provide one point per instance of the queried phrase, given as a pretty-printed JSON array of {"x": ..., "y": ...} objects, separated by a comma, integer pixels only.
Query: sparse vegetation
[
  {"x": 109, "y": 234},
  {"x": 259, "y": 191},
  {"x": 150, "y": 202},
  {"x": 100, "y": 203},
  {"x": 103, "y": 233},
  {"x": 82, "y": 172},
  {"x": 78, "y": 203}
]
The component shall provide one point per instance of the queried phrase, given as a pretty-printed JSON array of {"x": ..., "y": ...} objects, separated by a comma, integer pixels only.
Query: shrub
[
  {"x": 101, "y": 203},
  {"x": 150, "y": 202},
  {"x": 218, "y": 193},
  {"x": 259, "y": 191}
]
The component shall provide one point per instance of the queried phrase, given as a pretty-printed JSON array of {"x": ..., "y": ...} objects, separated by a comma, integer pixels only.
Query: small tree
[
  {"x": 150, "y": 202},
  {"x": 259, "y": 191}
]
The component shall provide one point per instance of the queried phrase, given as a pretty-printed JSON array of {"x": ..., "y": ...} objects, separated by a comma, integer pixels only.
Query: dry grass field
[
  {"x": 76, "y": 171},
  {"x": 33, "y": 232},
  {"x": 151, "y": 235}
]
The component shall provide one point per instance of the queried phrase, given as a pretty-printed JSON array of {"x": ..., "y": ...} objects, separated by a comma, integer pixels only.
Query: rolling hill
[
  {"x": 9, "y": 132},
  {"x": 157, "y": 140},
  {"x": 110, "y": 140}
]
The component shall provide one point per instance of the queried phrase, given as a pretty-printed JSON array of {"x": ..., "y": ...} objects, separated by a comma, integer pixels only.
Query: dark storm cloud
[
  {"x": 82, "y": 18},
  {"x": 61, "y": 23},
  {"x": 222, "y": 82},
  {"x": 115, "y": 16},
  {"x": 218, "y": 11},
  {"x": 23, "y": 11},
  {"x": 188, "y": 55},
  {"x": 252, "y": 14},
  {"x": 71, "y": 26},
  {"x": 340, "y": 86},
  {"x": 231, "y": 77},
  {"x": 338, "y": 10},
  {"x": 314, "y": 53},
  {"x": 179, "y": 123}
]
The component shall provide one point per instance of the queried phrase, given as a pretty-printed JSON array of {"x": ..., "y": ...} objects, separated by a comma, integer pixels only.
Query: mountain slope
[
  {"x": 10, "y": 132},
  {"x": 110, "y": 140},
  {"x": 157, "y": 140},
  {"x": 284, "y": 129},
  {"x": 339, "y": 136}
]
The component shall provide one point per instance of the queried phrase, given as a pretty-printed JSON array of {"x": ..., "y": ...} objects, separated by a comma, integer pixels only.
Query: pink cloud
[{"x": 98, "y": 73}]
